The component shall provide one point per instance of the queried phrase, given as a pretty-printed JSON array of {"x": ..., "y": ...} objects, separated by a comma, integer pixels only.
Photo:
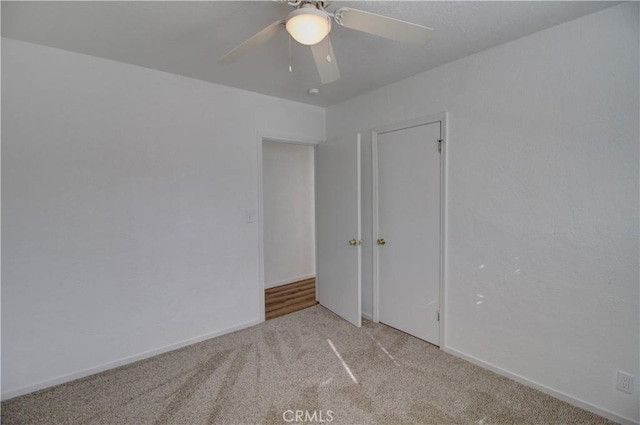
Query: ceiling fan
[{"x": 310, "y": 23}]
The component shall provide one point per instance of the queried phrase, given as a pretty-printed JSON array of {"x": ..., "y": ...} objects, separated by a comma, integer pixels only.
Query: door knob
[
  {"x": 353, "y": 242},
  {"x": 381, "y": 241}
]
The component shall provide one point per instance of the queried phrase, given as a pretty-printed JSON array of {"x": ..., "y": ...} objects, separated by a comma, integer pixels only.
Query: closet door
[
  {"x": 338, "y": 271},
  {"x": 408, "y": 231}
]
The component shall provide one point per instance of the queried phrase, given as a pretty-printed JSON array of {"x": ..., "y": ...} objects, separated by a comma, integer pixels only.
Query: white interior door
[
  {"x": 409, "y": 222},
  {"x": 338, "y": 233}
]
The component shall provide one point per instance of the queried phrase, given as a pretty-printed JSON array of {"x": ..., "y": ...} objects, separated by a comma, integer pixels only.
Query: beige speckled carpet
[{"x": 256, "y": 375}]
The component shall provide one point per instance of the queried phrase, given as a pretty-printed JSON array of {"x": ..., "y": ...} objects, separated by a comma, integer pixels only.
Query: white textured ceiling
[{"x": 187, "y": 38}]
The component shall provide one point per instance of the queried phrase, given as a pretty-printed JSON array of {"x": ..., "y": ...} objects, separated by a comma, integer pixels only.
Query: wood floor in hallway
[{"x": 286, "y": 299}]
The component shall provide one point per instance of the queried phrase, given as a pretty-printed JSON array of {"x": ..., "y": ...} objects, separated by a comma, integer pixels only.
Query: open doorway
[{"x": 288, "y": 227}]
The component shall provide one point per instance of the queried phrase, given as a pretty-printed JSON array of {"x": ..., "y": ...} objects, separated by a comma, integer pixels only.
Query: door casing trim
[{"x": 430, "y": 119}]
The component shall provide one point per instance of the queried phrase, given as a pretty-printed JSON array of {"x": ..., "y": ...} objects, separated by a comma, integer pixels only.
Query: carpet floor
[{"x": 309, "y": 361}]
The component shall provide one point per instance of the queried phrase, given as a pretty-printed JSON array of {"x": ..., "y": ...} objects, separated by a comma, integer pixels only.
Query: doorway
[
  {"x": 287, "y": 226},
  {"x": 408, "y": 223}
]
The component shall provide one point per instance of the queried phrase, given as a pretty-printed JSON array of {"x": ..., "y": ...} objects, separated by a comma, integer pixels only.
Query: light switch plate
[{"x": 250, "y": 216}]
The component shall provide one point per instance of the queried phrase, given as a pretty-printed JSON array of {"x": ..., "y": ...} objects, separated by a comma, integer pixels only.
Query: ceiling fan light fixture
[{"x": 308, "y": 25}]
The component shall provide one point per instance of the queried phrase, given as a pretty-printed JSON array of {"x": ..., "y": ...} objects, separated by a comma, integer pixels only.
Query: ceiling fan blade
[
  {"x": 325, "y": 61},
  {"x": 252, "y": 42},
  {"x": 383, "y": 26}
]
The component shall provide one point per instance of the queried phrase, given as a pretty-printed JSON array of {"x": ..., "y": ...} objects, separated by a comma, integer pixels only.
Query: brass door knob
[
  {"x": 381, "y": 241},
  {"x": 353, "y": 242}
]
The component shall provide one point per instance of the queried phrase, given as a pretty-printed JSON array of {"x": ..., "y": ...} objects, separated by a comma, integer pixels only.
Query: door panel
[
  {"x": 338, "y": 271},
  {"x": 409, "y": 222}
]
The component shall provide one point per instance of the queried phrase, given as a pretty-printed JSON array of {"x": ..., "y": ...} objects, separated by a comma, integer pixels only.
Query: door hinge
[
  {"x": 438, "y": 315},
  {"x": 440, "y": 145}
]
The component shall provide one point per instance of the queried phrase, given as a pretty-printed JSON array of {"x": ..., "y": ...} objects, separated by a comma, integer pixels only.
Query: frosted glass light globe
[{"x": 308, "y": 26}]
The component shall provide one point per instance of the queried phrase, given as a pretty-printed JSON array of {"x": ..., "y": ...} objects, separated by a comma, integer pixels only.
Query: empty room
[{"x": 350, "y": 212}]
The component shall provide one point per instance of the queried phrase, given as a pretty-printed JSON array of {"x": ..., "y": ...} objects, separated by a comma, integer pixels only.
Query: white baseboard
[
  {"x": 367, "y": 316},
  {"x": 6, "y": 395},
  {"x": 542, "y": 388},
  {"x": 287, "y": 281}
]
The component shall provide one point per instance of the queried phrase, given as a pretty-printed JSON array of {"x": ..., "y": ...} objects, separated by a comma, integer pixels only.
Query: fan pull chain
[
  {"x": 290, "y": 68},
  {"x": 328, "y": 43}
]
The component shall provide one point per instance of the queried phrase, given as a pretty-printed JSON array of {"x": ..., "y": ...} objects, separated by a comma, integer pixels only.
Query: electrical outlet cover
[{"x": 625, "y": 382}]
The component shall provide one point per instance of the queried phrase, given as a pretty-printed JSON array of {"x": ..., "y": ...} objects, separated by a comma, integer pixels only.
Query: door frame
[
  {"x": 431, "y": 119},
  {"x": 268, "y": 136}
]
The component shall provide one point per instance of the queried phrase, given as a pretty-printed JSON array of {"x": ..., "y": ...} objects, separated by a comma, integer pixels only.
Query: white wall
[
  {"x": 288, "y": 212},
  {"x": 542, "y": 202},
  {"x": 124, "y": 193}
]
